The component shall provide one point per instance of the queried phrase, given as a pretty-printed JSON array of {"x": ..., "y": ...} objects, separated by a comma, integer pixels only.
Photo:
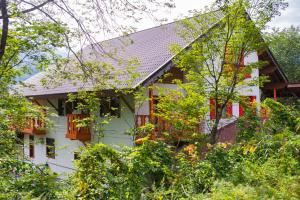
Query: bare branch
[{"x": 28, "y": 10}]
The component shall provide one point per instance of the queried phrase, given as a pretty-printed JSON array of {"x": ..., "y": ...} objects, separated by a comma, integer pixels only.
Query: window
[
  {"x": 71, "y": 106},
  {"x": 20, "y": 143},
  {"x": 50, "y": 148},
  {"x": 227, "y": 113},
  {"x": 31, "y": 146},
  {"x": 247, "y": 101},
  {"x": 230, "y": 59},
  {"x": 110, "y": 107},
  {"x": 61, "y": 104},
  {"x": 76, "y": 155}
]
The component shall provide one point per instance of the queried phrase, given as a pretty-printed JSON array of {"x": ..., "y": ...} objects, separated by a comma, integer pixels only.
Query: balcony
[
  {"x": 161, "y": 126},
  {"x": 35, "y": 126},
  {"x": 77, "y": 133}
]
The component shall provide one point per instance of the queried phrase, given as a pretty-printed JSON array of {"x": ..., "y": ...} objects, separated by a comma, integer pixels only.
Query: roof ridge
[{"x": 146, "y": 29}]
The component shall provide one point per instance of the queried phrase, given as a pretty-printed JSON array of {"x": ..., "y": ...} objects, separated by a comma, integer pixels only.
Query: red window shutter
[
  {"x": 212, "y": 109},
  {"x": 241, "y": 110},
  {"x": 242, "y": 63},
  {"x": 252, "y": 99},
  {"x": 248, "y": 75},
  {"x": 242, "y": 59},
  {"x": 229, "y": 109}
]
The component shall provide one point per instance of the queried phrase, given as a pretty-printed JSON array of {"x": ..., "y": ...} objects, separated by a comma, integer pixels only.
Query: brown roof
[{"x": 150, "y": 47}]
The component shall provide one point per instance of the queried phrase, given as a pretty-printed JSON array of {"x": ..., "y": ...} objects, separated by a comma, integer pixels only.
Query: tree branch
[
  {"x": 28, "y": 10},
  {"x": 4, "y": 28}
]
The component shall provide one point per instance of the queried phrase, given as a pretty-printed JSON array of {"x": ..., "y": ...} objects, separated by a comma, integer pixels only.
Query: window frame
[
  {"x": 50, "y": 148},
  {"x": 31, "y": 146},
  {"x": 106, "y": 107},
  {"x": 251, "y": 100},
  {"x": 227, "y": 113}
]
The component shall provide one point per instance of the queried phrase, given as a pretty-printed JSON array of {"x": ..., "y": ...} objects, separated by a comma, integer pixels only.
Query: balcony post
[
  {"x": 151, "y": 104},
  {"x": 275, "y": 94}
]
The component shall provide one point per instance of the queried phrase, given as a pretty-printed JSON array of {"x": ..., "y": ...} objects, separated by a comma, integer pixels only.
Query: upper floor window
[
  {"x": 226, "y": 113},
  {"x": 66, "y": 107},
  {"x": 76, "y": 155},
  {"x": 50, "y": 148},
  {"x": 231, "y": 58},
  {"x": 246, "y": 100},
  {"x": 61, "y": 107},
  {"x": 31, "y": 146},
  {"x": 110, "y": 107}
]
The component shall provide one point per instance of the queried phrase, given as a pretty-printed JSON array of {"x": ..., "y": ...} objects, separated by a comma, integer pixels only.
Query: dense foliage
[
  {"x": 264, "y": 164},
  {"x": 217, "y": 59},
  {"x": 285, "y": 44}
]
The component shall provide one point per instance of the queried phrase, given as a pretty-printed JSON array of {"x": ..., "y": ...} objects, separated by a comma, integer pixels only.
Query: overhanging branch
[{"x": 27, "y": 10}]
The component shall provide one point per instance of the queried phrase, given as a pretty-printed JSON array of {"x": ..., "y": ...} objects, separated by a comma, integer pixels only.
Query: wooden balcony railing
[
  {"x": 35, "y": 126},
  {"x": 141, "y": 120},
  {"x": 77, "y": 133},
  {"x": 161, "y": 127}
]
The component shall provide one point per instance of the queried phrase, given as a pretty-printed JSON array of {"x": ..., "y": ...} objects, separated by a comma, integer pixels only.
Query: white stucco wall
[
  {"x": 242, "y": 91},
  {"x": 65, "y": 148}
]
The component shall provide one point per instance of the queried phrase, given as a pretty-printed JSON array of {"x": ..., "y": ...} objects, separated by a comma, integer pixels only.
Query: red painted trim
[
  {"x": 151, "y": 103},
  {"x": 241, "y": 110},
  {"x": 229, "y": 109},
  {"x": 242, "y": 59},
  {"x": 275, "y": 94},
  {"x": 212, "y": 109},
  {"x": 248, "y": 75},
  {"x": 251, "y": 100}
]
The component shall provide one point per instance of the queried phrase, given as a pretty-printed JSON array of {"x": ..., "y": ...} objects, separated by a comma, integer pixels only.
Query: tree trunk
[
  {"x": 214, "y": 131},
  {"x": 4, "y": 27}
]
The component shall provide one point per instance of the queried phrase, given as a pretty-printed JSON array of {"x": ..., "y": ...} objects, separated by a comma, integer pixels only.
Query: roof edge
[{"x": 168, "y": 64}]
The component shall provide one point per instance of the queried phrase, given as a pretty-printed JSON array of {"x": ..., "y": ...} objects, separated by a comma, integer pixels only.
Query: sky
[{"x": 288, "y": 17}]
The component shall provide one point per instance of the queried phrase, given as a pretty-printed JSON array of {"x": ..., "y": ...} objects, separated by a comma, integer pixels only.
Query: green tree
[
  {"x": 32, "y": 35},
  {"x": 285, "y": 44},
  {"x": 228, "y": 33}
]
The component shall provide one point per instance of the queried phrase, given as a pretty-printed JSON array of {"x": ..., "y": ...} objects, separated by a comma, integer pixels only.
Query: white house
[{"x": 57, "y": 145}]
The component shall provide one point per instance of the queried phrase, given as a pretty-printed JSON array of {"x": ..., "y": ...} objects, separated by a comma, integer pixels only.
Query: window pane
[
  {"x": 115, "y": 107},
  {"x": 110, "y": 107},
  {"x": 31, "y": 146},
  {"x": 50, "y": 147},
  {"x": 76, "y": 155}
]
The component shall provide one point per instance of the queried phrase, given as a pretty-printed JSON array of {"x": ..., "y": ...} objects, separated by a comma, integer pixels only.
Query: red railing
[
  {"x": 73, "y": 131},
  {"x": 35, "y": 126},
  {"x": 161, "y": 126},
  {"x": 160, "y": 123}
]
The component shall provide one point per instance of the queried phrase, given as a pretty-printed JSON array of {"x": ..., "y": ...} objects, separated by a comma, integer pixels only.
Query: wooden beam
[
  {"x": 293, "y": 85},
  {"x": 271, "y": 86},
  {"x": 151, "y": 103},
  {"x": 275, "y": 94},
  {"x": 127, "y": 103},
  {"x": 52, "y": 105},
  {"x": 35, "y": 101},
  {"x": 268, "y": 70}
]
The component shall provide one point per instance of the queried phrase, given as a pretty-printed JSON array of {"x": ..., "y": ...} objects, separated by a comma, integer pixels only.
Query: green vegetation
[
  {"x": 264, "y": 164},
  {"x": 215, "y": 61},
  {"x": 285, "y": 44}
]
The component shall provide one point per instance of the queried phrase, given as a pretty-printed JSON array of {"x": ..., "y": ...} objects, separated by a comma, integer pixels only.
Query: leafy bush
[{"x": 105, "y": 173}]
